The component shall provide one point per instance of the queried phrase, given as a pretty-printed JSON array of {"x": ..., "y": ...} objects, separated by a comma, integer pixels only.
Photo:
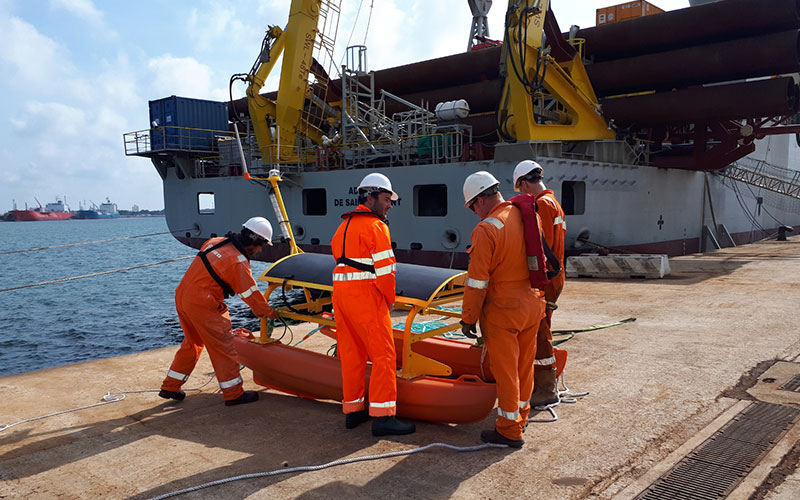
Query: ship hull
[
  {"x": 33, "y": 215},
  {"x": 619, "y": 206},
  {"x": 93, "y": 214}
]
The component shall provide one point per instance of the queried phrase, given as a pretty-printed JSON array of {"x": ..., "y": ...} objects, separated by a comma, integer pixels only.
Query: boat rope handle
[
  {"x": 6, "y": 252},
  {"x": 311, "y": 468},
  {"x": 112, "y": 396},
  {"x": 61, "y": 280}
]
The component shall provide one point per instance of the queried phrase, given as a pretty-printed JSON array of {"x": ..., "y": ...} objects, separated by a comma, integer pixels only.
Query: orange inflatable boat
[
  {"x": 312, "y": 375},
  {"x": 439, "y": 380}
]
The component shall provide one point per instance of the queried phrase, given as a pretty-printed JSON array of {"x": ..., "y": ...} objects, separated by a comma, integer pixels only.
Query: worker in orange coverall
[
  {"x": 220, "y": 270},
  {"x": 498, "y": 293},
  {"x": 528, "y": 179},
  {"x": 363, "y": 295}
]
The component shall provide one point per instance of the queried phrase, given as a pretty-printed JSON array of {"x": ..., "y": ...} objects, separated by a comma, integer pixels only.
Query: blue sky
[{"x": 77, "y": 74}]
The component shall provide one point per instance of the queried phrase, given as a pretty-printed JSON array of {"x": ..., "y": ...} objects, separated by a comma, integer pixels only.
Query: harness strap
[
  {"x": 227, "y": 290},
  {"x": 350, "y": 262},
  {"x": 552, "y": 260}
]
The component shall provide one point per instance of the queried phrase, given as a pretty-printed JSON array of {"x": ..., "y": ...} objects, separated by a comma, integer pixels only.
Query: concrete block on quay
[{"x": 618, "y": 266}]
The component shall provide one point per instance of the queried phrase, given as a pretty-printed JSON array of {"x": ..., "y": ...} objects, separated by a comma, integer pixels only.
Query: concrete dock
[{"x": 711, "y": 340}]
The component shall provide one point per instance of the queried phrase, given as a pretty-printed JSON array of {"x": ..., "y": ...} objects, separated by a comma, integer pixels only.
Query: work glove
[
  {"x": 273, "y": 314},
  {"x": 469, "y": 330}
]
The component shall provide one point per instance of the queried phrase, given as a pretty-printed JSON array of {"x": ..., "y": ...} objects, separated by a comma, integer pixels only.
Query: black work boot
[
  {"x": 177, "y": 396},
  {"x": 356, "y": 418},
  {"x": 390, "y": 426},
  {"x": 247, "y": 397},
  {"x": 495, "y": 437}
]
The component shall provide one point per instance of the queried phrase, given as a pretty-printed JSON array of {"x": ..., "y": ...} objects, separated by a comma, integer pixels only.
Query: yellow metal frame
[
  {"x": 296, "y": 43},
  {"x": 413, "y": 364},
  {"x": 274, "y": 179},
  {"x": 568, "y": 83}
]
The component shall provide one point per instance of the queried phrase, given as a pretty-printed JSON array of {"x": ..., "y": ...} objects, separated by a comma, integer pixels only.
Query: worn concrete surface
[{"x": 655, "y": 385}]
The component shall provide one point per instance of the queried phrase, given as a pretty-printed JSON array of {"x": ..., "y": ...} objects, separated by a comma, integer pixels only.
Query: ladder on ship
[{"x": 764, "y": 175}]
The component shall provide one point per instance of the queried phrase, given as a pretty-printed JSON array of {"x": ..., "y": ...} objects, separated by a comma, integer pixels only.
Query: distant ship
[
  {"x": 51, "y": 211},
  {"x": 107, "y": 210}
]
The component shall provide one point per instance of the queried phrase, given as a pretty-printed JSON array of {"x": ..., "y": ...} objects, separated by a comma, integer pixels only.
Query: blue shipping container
[{"x": 175, "y": 118}]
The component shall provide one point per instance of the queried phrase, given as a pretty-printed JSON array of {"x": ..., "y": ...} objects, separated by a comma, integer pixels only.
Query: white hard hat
[
  {"x": 477, "y": 183},
  {"x": 378, "y": 182},
  {"x": 524, "y": 168},
  {"x": 260, "y": 226}
]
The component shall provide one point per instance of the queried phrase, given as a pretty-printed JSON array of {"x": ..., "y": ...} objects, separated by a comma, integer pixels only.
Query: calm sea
[{"x": 98, "y": 317}]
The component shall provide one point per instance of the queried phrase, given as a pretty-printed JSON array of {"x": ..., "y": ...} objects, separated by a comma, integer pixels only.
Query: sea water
[{"x": 96, "y": 317}]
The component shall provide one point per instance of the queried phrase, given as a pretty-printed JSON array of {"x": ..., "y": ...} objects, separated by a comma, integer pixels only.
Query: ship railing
[
  {"x": 445, "y": 145},
  {"x": 174, "y": 139},
  {"x": 579, "y": 44}
]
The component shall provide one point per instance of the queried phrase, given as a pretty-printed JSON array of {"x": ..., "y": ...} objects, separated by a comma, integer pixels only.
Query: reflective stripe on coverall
[
  {"x": 498, "y": 293},
  {"x": 554, "y": 228},
  {"x": 205, "y": 320},
  {"x": 361, "y": 304}
]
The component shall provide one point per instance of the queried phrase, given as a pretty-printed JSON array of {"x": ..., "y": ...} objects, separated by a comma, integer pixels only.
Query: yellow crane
[
  {"x": 531, "y": 74},
  {"x": 296, "y": 43}
]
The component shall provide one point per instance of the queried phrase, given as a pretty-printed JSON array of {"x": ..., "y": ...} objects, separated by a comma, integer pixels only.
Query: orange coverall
[
  {"x": 554, "y": 228},
  {"x": 204, "y": 316},
  {"x": 361, "y": 303},
  {"x": 499, "y": 294}
]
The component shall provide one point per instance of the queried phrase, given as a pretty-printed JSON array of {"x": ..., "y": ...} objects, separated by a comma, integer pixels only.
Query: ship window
[
  {"x": 315, "y": 201},
  {"x": 205, "y": 203},
  {"x": 430, "y": 200},
  {"x": 573, "y": 197}
]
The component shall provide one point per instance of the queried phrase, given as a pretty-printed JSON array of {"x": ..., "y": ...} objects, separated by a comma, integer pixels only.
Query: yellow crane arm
[
  {"x": 527, "y": 59},
  {"x": 296, "y": 42}
]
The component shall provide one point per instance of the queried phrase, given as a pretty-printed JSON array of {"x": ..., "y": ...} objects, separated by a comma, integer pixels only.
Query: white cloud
[
  {"x": 35, "y": 60},
  {"x": 56, "y": 120},
  {"x": 183, "y": 76},
  {"x": 214, "y": 24},
  {"x": 86, "y": 11}
]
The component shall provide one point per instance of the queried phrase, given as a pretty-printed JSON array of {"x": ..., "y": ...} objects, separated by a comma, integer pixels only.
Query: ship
[
  {"x": 51, "y": 211},
  {"x": 106, "y": 210},
  {"x": 671, "y": 133}
]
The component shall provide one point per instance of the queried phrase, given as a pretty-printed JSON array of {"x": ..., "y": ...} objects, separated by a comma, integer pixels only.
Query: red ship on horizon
[{"x": 52, "y": 211}]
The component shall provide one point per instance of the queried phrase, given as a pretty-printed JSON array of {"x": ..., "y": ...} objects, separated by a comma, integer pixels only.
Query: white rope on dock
[
  {"x": 311, "y": 468},
  {"x": 61, "y": 280},
  {"x": 112, "y": 396}
]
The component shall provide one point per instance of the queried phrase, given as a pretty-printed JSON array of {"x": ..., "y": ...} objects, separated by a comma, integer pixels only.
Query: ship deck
[{"x": 706, "y": 343}]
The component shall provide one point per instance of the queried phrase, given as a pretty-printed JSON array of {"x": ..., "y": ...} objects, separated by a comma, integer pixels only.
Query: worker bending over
[
  {"x": 528, "y": 179},
  {"x": 498, "y": 293},
  {"x": 363, "y": 295},
  {"x": 220, "y": 270}
]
